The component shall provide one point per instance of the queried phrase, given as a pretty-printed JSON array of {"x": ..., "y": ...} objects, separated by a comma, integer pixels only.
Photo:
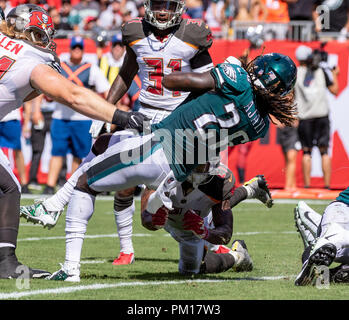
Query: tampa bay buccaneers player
[
  {"x": 156, "y": 45},
  {"x": 28, "y": 67}
]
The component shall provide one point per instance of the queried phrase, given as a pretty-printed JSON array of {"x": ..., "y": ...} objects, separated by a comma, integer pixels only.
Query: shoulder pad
[
  {"x": 230, "y": 77},
  {"x": 134, "y": 30},
  {"x": 47, "y": 57},
  {"x": 196, "y": 33}
]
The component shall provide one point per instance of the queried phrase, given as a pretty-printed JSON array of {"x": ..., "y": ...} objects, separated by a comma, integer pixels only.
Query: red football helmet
[{"x": 34, "y": 22}]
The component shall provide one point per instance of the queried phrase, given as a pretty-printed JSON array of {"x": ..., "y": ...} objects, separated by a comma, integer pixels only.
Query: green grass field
[{"x": 270, "y": 235}]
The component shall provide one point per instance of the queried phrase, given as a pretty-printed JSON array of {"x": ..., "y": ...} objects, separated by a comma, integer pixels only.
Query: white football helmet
[
  {"x": 175, "y": 8},
  {"x": 34, "y": 22}
]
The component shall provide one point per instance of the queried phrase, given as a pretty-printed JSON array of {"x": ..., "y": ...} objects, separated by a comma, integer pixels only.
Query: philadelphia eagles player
[
  {"x": 326, "y": 239},
  {"x": 232, "y": 104}
]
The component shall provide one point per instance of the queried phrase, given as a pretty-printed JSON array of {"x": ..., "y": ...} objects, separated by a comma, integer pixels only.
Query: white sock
[
  {"x": 79, "y": 212},
  {"x": 124, "y": 220}
]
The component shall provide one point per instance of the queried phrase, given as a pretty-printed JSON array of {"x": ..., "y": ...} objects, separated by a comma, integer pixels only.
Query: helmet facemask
[{"x": 173, "y": 8}]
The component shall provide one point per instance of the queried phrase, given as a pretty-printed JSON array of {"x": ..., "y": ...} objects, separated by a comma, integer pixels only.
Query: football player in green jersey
[
  {"x": 230, "y": 103},
  {"x": 326, "y": 239}
]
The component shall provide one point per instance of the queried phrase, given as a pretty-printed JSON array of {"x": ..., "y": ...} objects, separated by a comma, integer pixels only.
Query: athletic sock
[{"x": 124, "y": 221}]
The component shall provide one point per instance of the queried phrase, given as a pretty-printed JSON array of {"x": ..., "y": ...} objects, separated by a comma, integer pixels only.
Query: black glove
[{"x": 131, "y": 120}]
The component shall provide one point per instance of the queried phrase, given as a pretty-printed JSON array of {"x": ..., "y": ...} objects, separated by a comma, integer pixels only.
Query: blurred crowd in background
[{"x": 292, "y": 19}]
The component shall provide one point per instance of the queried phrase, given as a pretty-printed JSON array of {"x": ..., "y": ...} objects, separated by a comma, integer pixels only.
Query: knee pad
[{"x": 122, "y": 203}]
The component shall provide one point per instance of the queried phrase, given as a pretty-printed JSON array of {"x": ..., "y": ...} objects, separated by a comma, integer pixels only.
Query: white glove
[
  {"x": 161, "y": 197},
  {"x": 96, "y": 128}
]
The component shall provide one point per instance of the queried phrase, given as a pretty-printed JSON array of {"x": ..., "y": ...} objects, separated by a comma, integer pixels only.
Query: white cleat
[
  {"x": 67, "y": 273},
  {"x": 37, "y": 213},
  {"x": 308, "y": 217}
]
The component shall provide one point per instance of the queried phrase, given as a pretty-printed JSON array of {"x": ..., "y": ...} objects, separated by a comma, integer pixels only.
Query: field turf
[{"x": 270, "y": 235}]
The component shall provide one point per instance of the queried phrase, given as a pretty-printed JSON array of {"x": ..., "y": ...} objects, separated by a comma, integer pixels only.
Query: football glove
[
  {"x": 159, "y": 218},
  {"x": 193, "y": 222},
  {"x": 131, "y": 120}
]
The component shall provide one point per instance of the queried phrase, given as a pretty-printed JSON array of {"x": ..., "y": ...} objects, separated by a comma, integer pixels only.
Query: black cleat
[
  {"x": 10, "y": 268},
  {"x": 340, "y": 274},
  {"x": 323, "y": 254}
]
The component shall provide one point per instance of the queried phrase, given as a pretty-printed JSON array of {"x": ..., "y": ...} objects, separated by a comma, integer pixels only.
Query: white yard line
[
  {"x": 276, "y": 201},
  {"x": 98, "y": 286},
  {"x": 114, "y": 235}
]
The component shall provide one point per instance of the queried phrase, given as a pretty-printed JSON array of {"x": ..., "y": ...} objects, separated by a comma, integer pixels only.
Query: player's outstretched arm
[
  {"x": 189, "y": 81},
  {"x": 51, "y": 83}
]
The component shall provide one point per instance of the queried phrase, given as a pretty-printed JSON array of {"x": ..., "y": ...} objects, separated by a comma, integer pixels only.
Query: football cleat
[
  {"x": 257, "y": 188},
  {"x": 243, "y": 259},
  {"x": 10, "y": 268},
  {"x": 309, "y": 218},
  {"x": 340, "y": 274},
  {"x": 307, "y": 236},
  {"x": 67, "y": 273},
  {"x": 37, "y": 213},
  {"x": 322, "y": 254},
  {"x": 124, "y": 259}
]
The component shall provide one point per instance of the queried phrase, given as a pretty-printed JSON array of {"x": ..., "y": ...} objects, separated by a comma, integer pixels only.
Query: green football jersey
[
  {"x": 344, "y": 196},
  {"x": 201, "y": 127}
]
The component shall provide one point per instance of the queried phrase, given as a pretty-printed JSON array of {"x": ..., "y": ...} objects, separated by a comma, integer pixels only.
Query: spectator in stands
[
  {"x": 69, "y": 129},
  {"x": 110, "y": 64},
  {"x": 10, "y": 137},
  {"x": 58, "y": 22},
  {"x": 5, "y": 5},
  {"x": 65, "y": 13},
  {"x": 301, "y": 10},
  {"x": 337, "y": 21},
  {"x": 111, "y": 19},
  {"x": 214, "y": 17},
  {"x": 141, "y": 10},
  {"x": 250, "y": 10},
  {"x": 84, "y": 9},
  {"x": 277, "y": 13},
  {"x": 313, "y": 109},
  {"x": 195, "y": 9},
  {"x": 37, "y": 122}
]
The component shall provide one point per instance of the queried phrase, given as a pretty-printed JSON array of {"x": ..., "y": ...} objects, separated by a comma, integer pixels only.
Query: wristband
[{"x": 120, "y": 118}]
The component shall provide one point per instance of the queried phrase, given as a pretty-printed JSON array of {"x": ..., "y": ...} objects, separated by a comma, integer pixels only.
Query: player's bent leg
[
  {"x": 47, "y": 211},
  {"x": 124, "y": 209},
  {"x": 257, "y": 188}
]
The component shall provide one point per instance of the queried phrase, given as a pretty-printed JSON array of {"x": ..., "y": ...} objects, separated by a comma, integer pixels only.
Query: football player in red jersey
[
  {"x": 156, "y": 45},
  {"x": 28, "y": 67}
]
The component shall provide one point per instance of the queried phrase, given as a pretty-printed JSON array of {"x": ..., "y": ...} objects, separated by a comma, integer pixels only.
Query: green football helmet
[{"x": 275, "y": 72}]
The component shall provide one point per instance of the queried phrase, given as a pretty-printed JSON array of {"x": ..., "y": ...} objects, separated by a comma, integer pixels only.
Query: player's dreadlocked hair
[
  {"x": 10, "y": 32},
  {"x": 272, "y": 99}
]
